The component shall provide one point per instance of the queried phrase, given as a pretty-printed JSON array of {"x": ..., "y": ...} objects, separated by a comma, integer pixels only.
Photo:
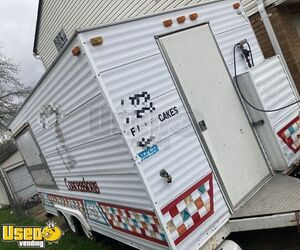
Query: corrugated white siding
[
  {"x": 71, "y": 15},
  {"x": 130, "y": 62},
  {"x": 275, "y": 91},
  {"x": 133, "y": 42},
  {"x": 86, "y": 141}
]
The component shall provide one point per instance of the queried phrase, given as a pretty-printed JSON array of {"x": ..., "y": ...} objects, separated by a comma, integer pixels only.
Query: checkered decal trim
[
  {"x": 190, "y": 210},
  {"x": 67, "y": 202},
  {"x": 143, "y": 224},
  {"x": 95, "y": 213},
  {"x": 290, "y": 134},
  {"x": 45, "y": 200}
]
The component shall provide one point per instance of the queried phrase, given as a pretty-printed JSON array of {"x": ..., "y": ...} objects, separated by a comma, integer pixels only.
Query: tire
[
  {"x": 78, "y": 227},
  {"x": 80, "y": 230}
]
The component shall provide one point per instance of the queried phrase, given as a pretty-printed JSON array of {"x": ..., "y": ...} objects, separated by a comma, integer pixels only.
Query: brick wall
[{"x": 287, "y": 36}]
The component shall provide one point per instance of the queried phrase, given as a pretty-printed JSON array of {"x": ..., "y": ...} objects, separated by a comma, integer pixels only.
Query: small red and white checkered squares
[
  {"x": 190, "y": 210},
  {"x": 67, "y": 202},
  {"x": 139, "y": 223},
  {"x": 290, "y": 134}
]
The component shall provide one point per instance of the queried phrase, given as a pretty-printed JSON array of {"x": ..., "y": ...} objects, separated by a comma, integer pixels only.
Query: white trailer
[{"x": 137, "y": 132}]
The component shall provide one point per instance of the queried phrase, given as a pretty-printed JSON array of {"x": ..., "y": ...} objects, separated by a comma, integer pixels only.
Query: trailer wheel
[{"x": 77, "y": 229}]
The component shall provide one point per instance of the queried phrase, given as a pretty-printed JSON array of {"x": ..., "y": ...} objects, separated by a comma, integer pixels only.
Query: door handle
[
  {"x": 258, "y": 123},
  {"x": 202, "y": 125}
]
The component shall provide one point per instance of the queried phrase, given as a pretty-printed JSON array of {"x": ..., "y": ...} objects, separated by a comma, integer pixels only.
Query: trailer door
[{"x": 206, "y": 87}]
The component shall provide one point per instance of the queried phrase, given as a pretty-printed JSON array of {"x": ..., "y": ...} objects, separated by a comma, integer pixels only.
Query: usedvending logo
[
  {"x": 31, "y": 236},
  {"x": 148, "y": 152}
]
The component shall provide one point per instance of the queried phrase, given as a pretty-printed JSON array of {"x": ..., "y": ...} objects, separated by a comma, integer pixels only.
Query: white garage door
[{"x": 21, "y": 183}]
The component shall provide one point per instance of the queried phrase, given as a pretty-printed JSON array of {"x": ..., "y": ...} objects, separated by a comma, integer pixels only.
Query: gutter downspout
[{"x": 275, "y": 44}]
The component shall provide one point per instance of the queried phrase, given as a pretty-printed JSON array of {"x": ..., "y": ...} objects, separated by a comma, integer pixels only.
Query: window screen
[{"x": 34, "y": 159}]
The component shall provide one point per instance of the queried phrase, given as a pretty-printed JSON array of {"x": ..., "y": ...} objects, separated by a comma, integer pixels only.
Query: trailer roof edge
[
  {"x": 104, "y": 25},
  {"x": 82, "y": 30}
]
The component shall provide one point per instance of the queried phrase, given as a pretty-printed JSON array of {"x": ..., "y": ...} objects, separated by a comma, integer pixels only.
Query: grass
[{"x": 69, "y": 241}]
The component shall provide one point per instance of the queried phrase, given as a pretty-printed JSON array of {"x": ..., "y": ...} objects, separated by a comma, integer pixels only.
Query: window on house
[
  {"x": 60, "y": 40},
  {"x": 33, "y": 158}
]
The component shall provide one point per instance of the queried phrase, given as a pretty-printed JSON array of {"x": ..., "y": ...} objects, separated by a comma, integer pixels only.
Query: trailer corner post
[{"x": 274, "y": 41}]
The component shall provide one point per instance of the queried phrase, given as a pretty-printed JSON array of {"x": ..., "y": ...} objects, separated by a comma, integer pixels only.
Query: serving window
[{"x": 34, "y": 159}]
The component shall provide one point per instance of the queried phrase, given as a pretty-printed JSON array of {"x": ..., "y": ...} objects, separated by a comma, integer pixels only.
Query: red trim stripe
[
  {"x": 198, "y": 220},
  {"x": 186, "y": 193},
  {"x": 288, "y": 141}
]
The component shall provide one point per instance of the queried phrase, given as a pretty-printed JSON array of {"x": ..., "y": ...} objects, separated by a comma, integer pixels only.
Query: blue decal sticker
[{"x": 148, "y": 152}]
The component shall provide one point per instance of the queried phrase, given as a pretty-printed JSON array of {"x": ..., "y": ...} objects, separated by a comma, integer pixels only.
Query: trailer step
[{"x": 279, "y": 195}]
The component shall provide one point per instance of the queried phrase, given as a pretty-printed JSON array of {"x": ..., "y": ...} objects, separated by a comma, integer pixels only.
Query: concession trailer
[{"x": 141, "y": 130}]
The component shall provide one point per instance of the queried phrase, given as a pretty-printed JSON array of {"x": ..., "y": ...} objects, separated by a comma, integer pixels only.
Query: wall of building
[{"x": 287, "y": 35}]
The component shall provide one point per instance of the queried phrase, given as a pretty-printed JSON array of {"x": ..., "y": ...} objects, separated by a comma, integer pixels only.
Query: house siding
[{"x": 71, "y": 15}]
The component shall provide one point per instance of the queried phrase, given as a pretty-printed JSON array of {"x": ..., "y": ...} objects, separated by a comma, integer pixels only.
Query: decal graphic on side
[
  {"x": 140, "y": 223},
  {"x": 67, "y": 202},
  {"x": 188, "y": 211},
  {"x": 141, "y": 104},
  {"x": 148, "y": 152},
  {"x": 290, "y": 134},
  {"x": 95, "y": 213},
  {"x": 82, "y": 186}
]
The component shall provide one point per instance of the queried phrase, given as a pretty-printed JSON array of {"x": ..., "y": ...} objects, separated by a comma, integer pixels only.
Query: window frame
[{"x": 43, "y": 166}]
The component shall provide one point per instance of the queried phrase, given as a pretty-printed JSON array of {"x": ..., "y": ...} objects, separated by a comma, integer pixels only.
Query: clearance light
[
  {"x": 96, "y": 40},
  {"x": 193, "y": 16},
  {"x": 76, "y": 51},
  {"x": 181, "y": 19},
  {"x": 168, "y": 23},
  {"x": 236, "y": 5}
]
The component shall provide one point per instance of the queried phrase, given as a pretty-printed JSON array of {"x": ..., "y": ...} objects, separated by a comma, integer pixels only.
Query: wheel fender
[{"x": 69, "y": 212}]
